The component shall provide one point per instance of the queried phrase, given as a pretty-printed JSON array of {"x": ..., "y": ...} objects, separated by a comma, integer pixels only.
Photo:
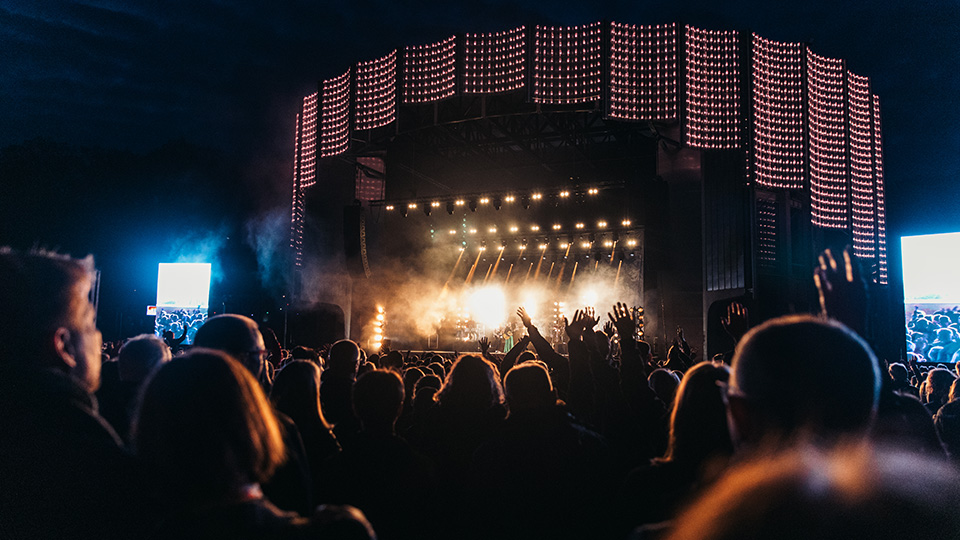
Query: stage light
[
  {"x": 523, "y": 247},
  {"x": 378, "y": 330},
  {"x": 537, "y": 196},
  {"x": 494, "y": 62},
  {"x": 580, "y": 225},
  {"x": 601, "y": 224},
  {"x": 502, "y": 247},
  {"x": 585, "y": 244},
  {"x": 472, "y": 231},
  {"x": 514, "y": 229},
  {"x": 643, "y": 71},
  {"x": 589, "y": 297},
  {"x": 509, "y": 198},
  {"x": 435, "y": 204},
  {"x": 564, "y": 194},
  {"x": 492, "y": 230},
  {"x": 389, "y": 207},
  {"x": 412, "y": 206},
  {"x": 460, "y": 202},
  {"x": 472, "y": 205},
  {"x": 564, "y": 245},
  {"x": 608, "y": 243},
  {"x": 543, "y": 246},
  {"x": 380, "y": 316},
  {"x": 713, "y": 97},
  {"x": 625, "y": 223},
  {"x": 556, "y": 226},
  {"x": 452, "y": 231},
  {"x": 631, "y": 243},
  {"x": 593, "y": 191},
  {"x": 534, "y": 228},
  {"x": 484, "y": 200},
  {"x": 461, "y": 248},
  {"x": 497, "y": 203},
  {"x": 482, "y": 248}
]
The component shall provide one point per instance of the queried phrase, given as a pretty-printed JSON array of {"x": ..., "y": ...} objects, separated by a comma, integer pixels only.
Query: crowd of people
[{"x": 803, "y": 433}]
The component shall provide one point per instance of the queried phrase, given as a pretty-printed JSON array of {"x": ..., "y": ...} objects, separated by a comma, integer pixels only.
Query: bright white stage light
[{"x": 488, "y": 306}]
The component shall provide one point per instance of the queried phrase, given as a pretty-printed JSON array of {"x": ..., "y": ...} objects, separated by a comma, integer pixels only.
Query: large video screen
[
  {"x": 183, "y": 296},
  {"x": 931, "y": 295}
]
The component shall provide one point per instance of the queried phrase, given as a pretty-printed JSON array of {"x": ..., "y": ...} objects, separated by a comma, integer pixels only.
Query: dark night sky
[{"x": 229, "y": 76}]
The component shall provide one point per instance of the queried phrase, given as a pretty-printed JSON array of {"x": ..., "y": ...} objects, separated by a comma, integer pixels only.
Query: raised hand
[
  {"x": 622, "y": 319},
  {"x": 589, "y": 318},
  {"x": 737, "y": 321},
  {"x": 842, "y": 291},
  {"x": 484, "y": 345},
  {"x": 524, "y": 318},
  {"x": 609, "y": 330},
  {"x": 574, "y": 330}
]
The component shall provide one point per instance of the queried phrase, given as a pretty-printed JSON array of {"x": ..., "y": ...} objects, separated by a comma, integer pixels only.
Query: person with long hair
[{"x": 208, "y": 433}]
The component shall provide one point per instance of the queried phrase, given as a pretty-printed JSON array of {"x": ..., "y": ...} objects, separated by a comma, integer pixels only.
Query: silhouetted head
[
  {"x": 849, "y": 492},
  {"x": 344, "y": 358},
  {"x": 206, "y": 427},
  {"x": 528, "y": 386},
  {"x": 140, "y": 355},
  {"x": 392, "y": 360},
  {"x": 237, "y": 336},
  {"x": 472, "y": 384},
  {"x": 802, "y": 376},
  {"x": 898, "y": 372},
  {"x": 378, "y": 399},
  {"x": 938, "y": 386},
  {"x": 664, "y": 384},
  {"x": 698, "y": 421},
  {"x": 296, "y": 391},
  {"x": 46, "y": 318}
]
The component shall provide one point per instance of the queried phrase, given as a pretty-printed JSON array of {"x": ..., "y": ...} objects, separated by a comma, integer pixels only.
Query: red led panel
[
  {"x": 567, "y": 64},
  {"x": 335, "y": 116},
  {"x": 429, "y": 71},
  {"x": 713, "y": 72},
  {"x": 494, "y": 62},
  {"x": 376, "y": 102},
  {"x": 778, "y": 108},
  {"x": 643, "y": 72},
  {"x": 308, "y": 141},
  {"x": 883, "y": 276},
  {"x": 860, "y": 114},
  {"x": 827, "y": 146}
]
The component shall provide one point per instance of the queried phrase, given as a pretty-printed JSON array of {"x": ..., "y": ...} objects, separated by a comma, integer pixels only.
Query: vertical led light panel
[
  {"x": 713, "y": 71},
  {"x": 376, "y": 103},
  {"x": 335, "y": 116},
  {"x": 827, "y": 142},
  {"x": 429, "y": 71},
  {"x": 643, "y": 72},
  {"x": 567, "y": 65},
  {"x": 183, "y": 296},
  {"x": 494, "y": 62},
  {"x": 883, "y": 274},
  {"x": 778, "y": 110},
  {"x": 860, "y": 114}
]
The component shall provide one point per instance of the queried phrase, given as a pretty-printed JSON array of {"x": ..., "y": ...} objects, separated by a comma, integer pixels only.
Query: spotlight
[
  {"x": 523, "y": 247},
  {"x": 543, "y": 246},
  {"x": 389, "y": 207},
  {"x": 564, "y": 194},
  {"x": 412, "y": 206},
  {"x": 450, "y": 207},
  {"x": 608, "y": 243},
  {"x": 563, "y": 245},
  {"x": 484, "y": 200},
  {"x": 461, "y": 202},
  {"x": 625, "y": 223},
  {"x": 497, "y": 203},
  {"x": 537, "y": 196},
  {"x": 534, "y": 228},
  {"x": 585, "y": 245},
  {"x": 580, "y": 225},
  {"x": 453, "y": 231},
  {"x": 473, "y": 205},
  {"x": 492, "y": 230},
  {"x": 473, "y": 231},
  {"x": 514, "y": 229},
  {"x": 593, "y": 191},
  {"x": 631, "y": 243},
  {"x": 601, "y": 224},
  {"x": 556, "y": 226},
  {"x": 509, "y": 198}
]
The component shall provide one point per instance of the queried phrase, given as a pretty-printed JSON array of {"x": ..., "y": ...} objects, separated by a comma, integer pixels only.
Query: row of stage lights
[
  {"x": 496, "y": 201},
  {"x": 536, "y": 228},
  {"x": 562, "y": 245}
]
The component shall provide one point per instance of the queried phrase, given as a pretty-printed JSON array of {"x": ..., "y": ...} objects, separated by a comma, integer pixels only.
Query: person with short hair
[
  {"x": 138, "y": 357},
  {"x": 63, "y": 471}
]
